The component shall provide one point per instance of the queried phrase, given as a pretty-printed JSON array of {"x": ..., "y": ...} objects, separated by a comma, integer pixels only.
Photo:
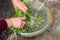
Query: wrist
[{"x": 9, "y": 23}]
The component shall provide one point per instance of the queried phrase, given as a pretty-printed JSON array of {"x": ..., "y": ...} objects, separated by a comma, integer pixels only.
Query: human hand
[
  {"x": 19, "y": 5},
  {"x": 15, "y": 22},
  {"x": 18, "y": 22}
]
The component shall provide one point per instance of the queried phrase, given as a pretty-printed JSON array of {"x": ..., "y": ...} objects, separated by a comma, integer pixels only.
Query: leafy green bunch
[{"x": 28, "y": 16}]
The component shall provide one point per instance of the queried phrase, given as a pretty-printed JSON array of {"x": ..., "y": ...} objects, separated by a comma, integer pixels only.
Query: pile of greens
[{"x": 29, "y": 18}]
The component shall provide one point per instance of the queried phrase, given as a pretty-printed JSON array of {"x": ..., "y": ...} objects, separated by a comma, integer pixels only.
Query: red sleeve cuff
[{"x": 3, "y": 25}]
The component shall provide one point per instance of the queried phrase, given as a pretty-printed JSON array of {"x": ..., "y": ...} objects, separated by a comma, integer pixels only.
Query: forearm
[
  {"x": 4, "y": 24},
  {"x": 9, "y": 23}
]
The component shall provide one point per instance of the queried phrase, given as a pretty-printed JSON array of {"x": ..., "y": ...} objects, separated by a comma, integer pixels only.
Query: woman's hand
[
  {"x": 16, "y": 22},
  {"x": 19, "y": 5}
]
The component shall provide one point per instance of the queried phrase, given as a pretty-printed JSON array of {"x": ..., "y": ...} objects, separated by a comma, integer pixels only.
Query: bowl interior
[{"x": 42, "y": 12}]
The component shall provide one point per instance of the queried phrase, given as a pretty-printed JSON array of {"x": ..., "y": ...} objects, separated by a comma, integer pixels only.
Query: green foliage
[
  {"x": 28, "y": 16},
  {"x": 25, "y": 1}
]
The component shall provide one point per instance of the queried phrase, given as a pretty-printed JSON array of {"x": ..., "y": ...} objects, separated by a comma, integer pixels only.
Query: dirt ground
[{"x": 53, "y": 33}]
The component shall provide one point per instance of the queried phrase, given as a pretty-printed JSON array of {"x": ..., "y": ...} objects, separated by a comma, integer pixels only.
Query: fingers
[
  {"x": 22, "y": 6},
  {"x": 22, "y": 18},
  {"x": 22, "y": 23},
  {"x": 19, "y": 5},
  {"x": 18, "y": 22}
]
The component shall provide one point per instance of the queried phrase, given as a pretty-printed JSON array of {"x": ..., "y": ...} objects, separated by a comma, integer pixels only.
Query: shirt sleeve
[{"x": 3, "y": 25}]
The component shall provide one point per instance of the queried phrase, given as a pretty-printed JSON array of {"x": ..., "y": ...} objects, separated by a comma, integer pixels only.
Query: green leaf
[
  {"x": 29, "y": 18},
  {"x": 25, "y": 1}
]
